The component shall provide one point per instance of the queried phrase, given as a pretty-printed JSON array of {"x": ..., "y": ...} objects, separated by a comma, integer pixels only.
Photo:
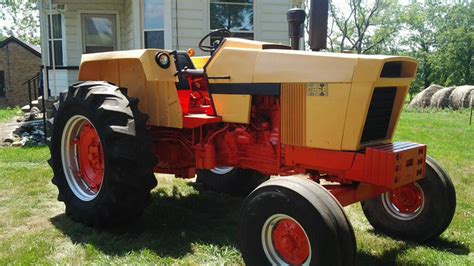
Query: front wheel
[
  {"x": 418, "y": 212},
  {"x": 101, "y": 154},
  {"x": 292, "y": 221}
]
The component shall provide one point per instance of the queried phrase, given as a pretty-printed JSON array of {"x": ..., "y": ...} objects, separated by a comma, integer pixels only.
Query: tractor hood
[{"x": 243, "y": 61}]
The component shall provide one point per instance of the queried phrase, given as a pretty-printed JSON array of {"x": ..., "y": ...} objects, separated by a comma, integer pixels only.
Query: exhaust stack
[{"x": 318, "y": 28}]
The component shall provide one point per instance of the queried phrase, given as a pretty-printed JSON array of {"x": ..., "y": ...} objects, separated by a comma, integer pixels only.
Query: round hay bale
[
  {"x": 423, "y": 99},
  {"x": 440, "y": 99},
  {"x": 461, "y": 97}
]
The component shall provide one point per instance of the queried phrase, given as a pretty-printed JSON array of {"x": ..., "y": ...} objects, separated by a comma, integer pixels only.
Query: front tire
[
  {"x": 417, "y": 212},
  {"x": 292, "y": 221},
  {"x": 101, "y": 154}
]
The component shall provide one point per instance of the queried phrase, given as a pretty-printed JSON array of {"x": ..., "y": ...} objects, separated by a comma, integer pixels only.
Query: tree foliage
[
  {"x": 365, "y": 27},
  {"x": 20, "y": 18},
  {"x": 441, "y": 37}
]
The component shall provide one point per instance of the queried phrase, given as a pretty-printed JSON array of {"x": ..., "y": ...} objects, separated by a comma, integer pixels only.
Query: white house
[{"x": 87, "y": 26}]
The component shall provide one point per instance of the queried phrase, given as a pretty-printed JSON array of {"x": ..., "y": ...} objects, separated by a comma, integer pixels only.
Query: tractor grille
[
  {"x": 293, "y": 114},
  {"x": 379, "y": 115}
]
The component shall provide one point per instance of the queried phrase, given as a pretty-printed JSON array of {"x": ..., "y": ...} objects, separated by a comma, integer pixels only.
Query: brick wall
[{"x": 19, "y": 65}]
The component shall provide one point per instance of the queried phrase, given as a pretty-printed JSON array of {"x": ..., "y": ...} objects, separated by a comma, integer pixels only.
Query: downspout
[
  {"x": 53, "y": 58},
  {"x": 44, "y": 52}
]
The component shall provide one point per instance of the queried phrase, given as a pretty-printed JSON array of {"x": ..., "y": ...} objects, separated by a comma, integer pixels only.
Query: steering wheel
[{"x": 223, "y": 33}]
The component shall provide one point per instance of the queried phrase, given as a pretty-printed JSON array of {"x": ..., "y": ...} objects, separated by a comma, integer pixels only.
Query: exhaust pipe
[
  {"x": 296, "y": 18},
  {"x": 318, "y": 28}
]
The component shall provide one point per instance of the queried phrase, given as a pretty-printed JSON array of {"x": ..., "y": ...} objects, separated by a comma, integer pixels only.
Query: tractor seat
[
  {"x": 192, "y": 73},
  {"x": 186, "y": 68}
]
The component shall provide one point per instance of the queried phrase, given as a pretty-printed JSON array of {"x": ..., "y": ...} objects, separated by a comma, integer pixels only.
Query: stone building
[{"x": 19, "y": 62}]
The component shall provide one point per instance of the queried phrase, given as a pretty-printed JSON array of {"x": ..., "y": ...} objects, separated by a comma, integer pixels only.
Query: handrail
[
  {"x": 35, "y": 81},
  {"x": 35, "y": 77}
]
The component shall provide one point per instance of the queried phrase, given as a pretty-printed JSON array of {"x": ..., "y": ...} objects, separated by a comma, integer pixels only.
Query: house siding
[
  {"x": 193, "y": 22},
  {"x": 128, "y": 41},
  {"x": 271, "y": 24},
  {"x": 189, "y": 24},
  {"x": 72, "y": 22},
  {"x": 184, "y": 27}
]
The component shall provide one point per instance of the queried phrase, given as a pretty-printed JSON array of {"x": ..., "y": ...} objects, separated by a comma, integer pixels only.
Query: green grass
[
  {"x": 8, "y": 113},
  {"x": 186, "y": 227}
]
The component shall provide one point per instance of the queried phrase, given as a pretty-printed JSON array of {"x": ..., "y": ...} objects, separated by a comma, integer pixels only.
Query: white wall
[
  {"x": 62, "y": 81},
  {"x": 72, "y": 18},
  {"x": 193, "y": 22},
  {"x": 271, "y": 24},
  {"x": 72, "y": 30}
]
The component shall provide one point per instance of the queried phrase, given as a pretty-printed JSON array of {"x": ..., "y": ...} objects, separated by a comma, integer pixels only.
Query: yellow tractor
[{"x": 249, "y": 111}]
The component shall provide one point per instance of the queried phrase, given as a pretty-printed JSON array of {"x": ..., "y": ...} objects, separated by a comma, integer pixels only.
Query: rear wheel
[
  {"x": 418, "y": 212},
  {"x": 292, "y": 221},
  {"x": 230, "y": 180},
  {"x": 101, "y": 154}
]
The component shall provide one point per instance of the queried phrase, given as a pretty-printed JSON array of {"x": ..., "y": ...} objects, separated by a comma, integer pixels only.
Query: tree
[
  {"x": 365, "y": 27},
  {"x": 441, "y": 37},
  {"x": 20, "y": 18},
  {"x": 452, "y": 61},
  {"x": 419, "y": 38}
]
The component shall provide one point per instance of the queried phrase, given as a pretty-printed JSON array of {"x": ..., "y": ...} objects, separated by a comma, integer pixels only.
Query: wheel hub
[
  {"x": 285, "y": 241},
  {"x": 82, "y": 157},
  {"x": 290, "y": 242},
  {"x": 404, "y": 203},
  {"x": 91, "y": 159},
  {"x": 407, "y": 199}
]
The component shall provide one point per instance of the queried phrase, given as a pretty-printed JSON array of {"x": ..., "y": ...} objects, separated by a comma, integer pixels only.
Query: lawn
[
  {"x": 6, "y": 114},
  {"x": 184, "y": 226}
]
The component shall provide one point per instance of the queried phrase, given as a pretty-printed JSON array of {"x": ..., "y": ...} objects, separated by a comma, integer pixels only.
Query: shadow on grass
[
  {"x": 168, "y": 227},
  {"x": 389, "y": 257},
  {"x": 173, "y": 222}
]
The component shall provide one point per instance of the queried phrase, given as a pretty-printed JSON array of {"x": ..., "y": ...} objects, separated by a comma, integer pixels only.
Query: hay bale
[
  {"x": 423, "y": 99},
  {"x": 440, "y": 99},
  {"x": 461, "y": 97}
]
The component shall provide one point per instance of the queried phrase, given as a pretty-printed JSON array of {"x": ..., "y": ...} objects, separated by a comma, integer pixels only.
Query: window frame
[
  {"x": 99, "y": 13},
  {"x": 254, "y": 6},
  {"x": 50, "y": 40},
  {"x": 167, "y": 25}
]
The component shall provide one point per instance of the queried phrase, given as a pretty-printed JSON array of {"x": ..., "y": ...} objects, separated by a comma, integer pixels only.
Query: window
[
  {"x": 234, "y": 15},
  {"x": 154, "y": 24},
  {"x": 56, "y": 38},
  {"x": 2, "y": 84},
  {"x": 99, "y": 33}
]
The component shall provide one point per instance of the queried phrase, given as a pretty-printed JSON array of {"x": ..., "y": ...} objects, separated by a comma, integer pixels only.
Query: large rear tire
[
  {"x": 417, "y": 212},
  {"x": 292, "y": 221},
  {"x": 229, "y": 180},
  {"x": 101, "y": 154}
]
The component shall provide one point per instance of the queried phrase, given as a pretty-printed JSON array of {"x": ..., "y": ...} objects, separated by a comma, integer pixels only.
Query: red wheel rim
[
  {"x": 407, "y": 199},
  {"x": 90, "y": 157},
  {"x": 290, "y": 242}
]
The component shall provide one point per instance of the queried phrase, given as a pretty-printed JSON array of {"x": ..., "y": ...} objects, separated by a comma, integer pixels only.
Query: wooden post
[
  {"x": 29, "y": 94},
  {"x": 470, "y": 118}
]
